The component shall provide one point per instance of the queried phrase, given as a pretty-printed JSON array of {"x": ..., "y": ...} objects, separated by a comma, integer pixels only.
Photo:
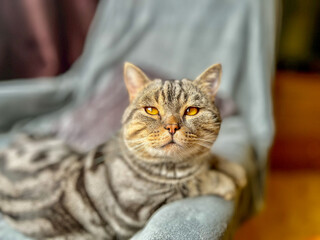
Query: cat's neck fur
[{"x": 163, "y": 170}]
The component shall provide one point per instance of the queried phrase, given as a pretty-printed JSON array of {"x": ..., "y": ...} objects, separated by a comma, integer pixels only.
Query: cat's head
[{"x": 171, "y": 119}]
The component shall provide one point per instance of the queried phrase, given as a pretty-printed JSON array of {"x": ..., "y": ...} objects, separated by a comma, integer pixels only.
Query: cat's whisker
[
  {"x": 205, "y": 140},
  {"x": 204, "y": 145},
  {"x": 138, "y": 146},
  {"x": 137, "y": 140}
]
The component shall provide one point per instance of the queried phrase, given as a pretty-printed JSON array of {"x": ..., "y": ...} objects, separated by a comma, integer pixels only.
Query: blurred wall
[
  {"x": 297, "y": 119},
  {"x": 299, "y": 47}
]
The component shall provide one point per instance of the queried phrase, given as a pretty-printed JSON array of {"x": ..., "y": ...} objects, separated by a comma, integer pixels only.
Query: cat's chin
[
  {"x": 171, "y": 151},
  {"x": 171, "y": 148}
]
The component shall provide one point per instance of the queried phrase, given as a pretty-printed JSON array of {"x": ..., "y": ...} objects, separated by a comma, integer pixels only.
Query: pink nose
[{"x": 172, "y": 128}]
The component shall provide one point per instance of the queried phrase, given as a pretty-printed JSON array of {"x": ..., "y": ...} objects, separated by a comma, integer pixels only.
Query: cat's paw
[
  {"x": 223, "y": 185},
  {"x": 239, "y": 175},
  {"x": 234, "y": 171}
]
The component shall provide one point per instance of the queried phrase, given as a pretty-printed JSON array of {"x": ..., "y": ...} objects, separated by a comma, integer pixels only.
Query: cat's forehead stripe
[
  {"x": 156, "y": 95},
  {"x": 172, "y": 90},
  {"x": 173, "y": 93}
]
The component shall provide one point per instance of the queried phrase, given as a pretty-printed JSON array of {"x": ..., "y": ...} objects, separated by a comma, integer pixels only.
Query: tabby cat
[{"x": 161, "y": 154}]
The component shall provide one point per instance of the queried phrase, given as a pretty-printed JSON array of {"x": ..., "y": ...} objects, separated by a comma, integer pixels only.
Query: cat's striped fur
[{"x": 49, "y": 191}]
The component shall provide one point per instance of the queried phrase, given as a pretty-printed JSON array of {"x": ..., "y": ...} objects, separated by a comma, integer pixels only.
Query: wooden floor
[{"x": 292, "y": 210}]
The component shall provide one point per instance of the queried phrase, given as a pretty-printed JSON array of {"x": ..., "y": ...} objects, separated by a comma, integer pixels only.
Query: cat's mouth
[{"x": 170, "y": 143}]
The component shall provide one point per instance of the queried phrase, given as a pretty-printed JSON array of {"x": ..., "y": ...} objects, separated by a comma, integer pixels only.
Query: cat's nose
[{"x": 172, "y": 128}]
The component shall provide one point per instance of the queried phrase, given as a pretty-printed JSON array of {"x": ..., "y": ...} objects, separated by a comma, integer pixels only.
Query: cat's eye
[
  {"x": 152, "y": 110},
  {"x": 190, "y": 111}
]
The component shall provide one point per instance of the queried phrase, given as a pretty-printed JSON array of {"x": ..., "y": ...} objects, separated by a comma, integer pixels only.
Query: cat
[{"x": 161, "y": 154}]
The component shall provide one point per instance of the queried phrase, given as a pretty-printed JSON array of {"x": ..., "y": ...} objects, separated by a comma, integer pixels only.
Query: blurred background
[
  {"x": 43, "y": 38},
  {"x": 292, "y": 209}
]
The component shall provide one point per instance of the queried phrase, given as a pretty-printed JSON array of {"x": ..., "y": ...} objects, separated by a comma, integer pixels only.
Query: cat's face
[{"x": 171, "y": 118}]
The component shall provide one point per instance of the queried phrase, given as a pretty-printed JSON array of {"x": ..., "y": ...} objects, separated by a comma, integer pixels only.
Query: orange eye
[
  {"x": 191, "y": 111},
  {"x": 151, "y": 110}
]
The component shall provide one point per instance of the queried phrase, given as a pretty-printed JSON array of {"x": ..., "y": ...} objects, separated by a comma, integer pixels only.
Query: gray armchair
[{"x": 176, "y": 39}]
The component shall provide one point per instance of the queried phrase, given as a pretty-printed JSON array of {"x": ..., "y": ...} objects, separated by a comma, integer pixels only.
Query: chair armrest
[
  {"x": 206, "y": 217},
  {"x": 7, "y": 233}
]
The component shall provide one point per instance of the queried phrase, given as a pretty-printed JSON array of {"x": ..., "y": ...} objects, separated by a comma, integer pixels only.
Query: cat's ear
[
  {"x": 209, "y": 80},
  {"x": 135, "y": 79}
]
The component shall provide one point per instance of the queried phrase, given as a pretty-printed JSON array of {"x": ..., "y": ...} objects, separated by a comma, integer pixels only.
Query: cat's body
[{"x": 47, "y": 190}]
